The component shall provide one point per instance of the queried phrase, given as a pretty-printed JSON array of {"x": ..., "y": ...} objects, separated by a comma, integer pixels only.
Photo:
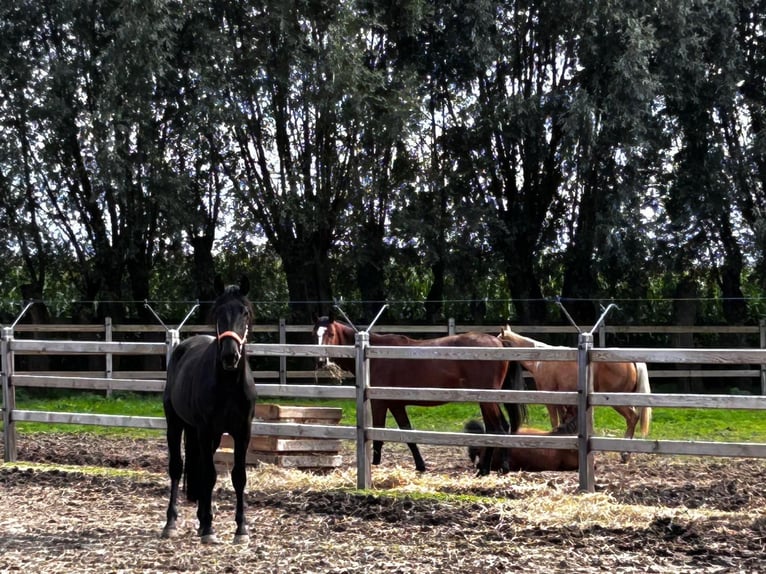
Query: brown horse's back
[{"x": 438, "y": 373}]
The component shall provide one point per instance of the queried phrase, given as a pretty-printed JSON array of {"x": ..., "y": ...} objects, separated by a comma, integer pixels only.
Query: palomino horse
[
  {"x": 530, "y": 459},
  {"x": 429, "y": 373},
  {"x": 607, "y": 377},
  {"x": 210, "y": 391}
]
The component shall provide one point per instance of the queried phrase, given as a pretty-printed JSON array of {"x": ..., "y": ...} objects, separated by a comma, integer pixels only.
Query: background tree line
[{"x": 460, "y": 158}]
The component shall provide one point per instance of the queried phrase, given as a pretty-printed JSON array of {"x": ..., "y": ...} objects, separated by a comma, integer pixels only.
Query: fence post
[
  {"x": 451, "y": 326},
  {"x": 282, "y": 358},
  {"x": 585, "y": 412},
  {"x": 363, "y": 412},
  {"x": 172, "y": 338},
  {"x": 9, "y": 396},
  {"x": 108, "y": 358},
  {"x": 762, "y": 329}
]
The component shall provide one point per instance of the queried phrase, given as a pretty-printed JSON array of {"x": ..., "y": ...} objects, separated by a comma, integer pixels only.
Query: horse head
[
  {"x": 232, "y": 315},
  {"x": 328, "y": 331}
]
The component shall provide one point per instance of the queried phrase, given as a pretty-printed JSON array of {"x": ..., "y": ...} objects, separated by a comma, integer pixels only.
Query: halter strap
[{"x": 233, "y": 335}]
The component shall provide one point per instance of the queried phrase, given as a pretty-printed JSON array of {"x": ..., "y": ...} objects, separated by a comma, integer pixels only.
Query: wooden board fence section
[{"x": 304, "y": 453}]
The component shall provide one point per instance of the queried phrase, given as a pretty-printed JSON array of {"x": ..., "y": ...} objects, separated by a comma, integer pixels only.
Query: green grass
[{"x": 667, "y": 424}]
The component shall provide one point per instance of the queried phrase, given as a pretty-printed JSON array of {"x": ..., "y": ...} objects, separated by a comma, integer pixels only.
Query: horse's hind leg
[
  {"x": 493, "y": 422},
  {"x": 175, "y": 470},
  {"x": 631, "y": 419},
  {"x": 238, "y": 481},
  {"x": 207, "y": 475},
  {"x": 403, "y": 421},
  {"x": 378, "y": 420}
]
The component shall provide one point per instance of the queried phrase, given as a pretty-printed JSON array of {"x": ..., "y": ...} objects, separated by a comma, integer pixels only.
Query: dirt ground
[{"x": 654, "y": 514}]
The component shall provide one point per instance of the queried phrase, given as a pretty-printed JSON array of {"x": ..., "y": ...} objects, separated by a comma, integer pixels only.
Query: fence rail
[
  {"x": 586, "y": 442},
  {"x": 109, "y": 332}
]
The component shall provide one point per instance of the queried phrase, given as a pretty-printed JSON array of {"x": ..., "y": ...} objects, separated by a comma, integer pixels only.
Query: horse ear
[
  {"x": 244, "y": 285},
  {"x": 218, "y": 285}
]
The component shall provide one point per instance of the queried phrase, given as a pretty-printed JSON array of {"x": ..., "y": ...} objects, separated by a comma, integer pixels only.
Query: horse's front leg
[
  {"x": 403, "y": 421},
  {"x": 207, "y": 475},
  {"x": 239, "y": 481},
  {"x": 175, "y": 471}
]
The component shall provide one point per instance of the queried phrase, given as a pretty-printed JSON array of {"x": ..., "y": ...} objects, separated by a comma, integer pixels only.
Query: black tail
[{"x": 514, "y": 381}]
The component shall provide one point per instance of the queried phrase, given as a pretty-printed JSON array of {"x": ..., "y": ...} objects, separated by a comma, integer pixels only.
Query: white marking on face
[{"x": 320, "y": 334}]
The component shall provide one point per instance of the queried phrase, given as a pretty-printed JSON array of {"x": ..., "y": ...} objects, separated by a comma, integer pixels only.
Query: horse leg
[
  {"x": 493, "y": 423},
  {"x": 192, "y": 480},
  {"x": 207, "y": 478},
  {"x": 175, "y": 470},
  {"x": 631, "y": 419},
  {"x": 403, "y": 421},
  {"x": 378, "y": 420},
  {"x": 553, "y": 413},
  {"x": 238, "y": 481}
]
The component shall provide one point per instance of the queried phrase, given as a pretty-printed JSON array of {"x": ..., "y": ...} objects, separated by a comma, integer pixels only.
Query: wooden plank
[
  {"x": 305, "y": 391},
  {"x": 475, "y": 395},
  {"x": 285, "y": 445},
  {"x": 304, "y": 430},
  {"x": 90, "y": 383},
  {"x": 702, "y": 356},
  {"x": 272, "y": 412},
  {"x": 225, "y": 458},
  {"x": 697, "y": 448},
  {"x": 37, "y": 347},
  {"x": 88, "y": 419},
  {"x": 477, "y": 353},
  {"x": 742, "y": 402},
  {"x": 473, "y": 439}
]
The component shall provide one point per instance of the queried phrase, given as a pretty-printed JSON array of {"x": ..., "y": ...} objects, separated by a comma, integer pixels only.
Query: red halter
[{"x": 235, "y": 336}]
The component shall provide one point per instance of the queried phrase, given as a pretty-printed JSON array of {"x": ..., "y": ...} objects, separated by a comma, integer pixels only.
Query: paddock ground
[{"x": 101, "y": 506}]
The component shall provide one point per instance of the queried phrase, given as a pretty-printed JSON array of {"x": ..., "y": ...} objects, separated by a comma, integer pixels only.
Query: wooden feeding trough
[{"x": 303, "y": 453}]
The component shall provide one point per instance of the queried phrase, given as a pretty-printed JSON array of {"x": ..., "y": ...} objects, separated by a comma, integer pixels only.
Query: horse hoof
[
  {"x": 210, "y": 539},
  {"x": 625, "y": 457},
  {"x": 171, "y": 532},
  {"x": 241, "y": 539}
]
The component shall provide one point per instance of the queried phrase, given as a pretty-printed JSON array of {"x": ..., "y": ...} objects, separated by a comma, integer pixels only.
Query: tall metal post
[
  {"x": 109, "y": 368},
  {"x": 282, "y": 358},
  {"x": 762, "y": 328},
  {"x": 585, "y": 412},
  {"x": 363, "y": 412},
  {"x": 172, "y": 338},
  {"x": 9, "y": 396}
]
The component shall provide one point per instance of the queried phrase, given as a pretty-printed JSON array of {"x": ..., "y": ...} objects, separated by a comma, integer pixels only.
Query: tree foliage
[{"x": 471, "y": 159}]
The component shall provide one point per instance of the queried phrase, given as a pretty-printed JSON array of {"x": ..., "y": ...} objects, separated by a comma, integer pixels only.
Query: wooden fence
[
  {"x": 363, "y": 433},
  {"x": 604, "y": 336}
]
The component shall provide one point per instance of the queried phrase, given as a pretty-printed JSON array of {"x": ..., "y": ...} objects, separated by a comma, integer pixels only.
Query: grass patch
[{"x": 667, "y": 424}]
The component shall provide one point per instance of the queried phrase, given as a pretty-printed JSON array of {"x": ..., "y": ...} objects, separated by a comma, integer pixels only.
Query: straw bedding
[{"x": 94, "y": 504}]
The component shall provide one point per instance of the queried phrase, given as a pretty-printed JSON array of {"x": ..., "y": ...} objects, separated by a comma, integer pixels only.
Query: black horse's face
[{"x": 232, "y": 315}]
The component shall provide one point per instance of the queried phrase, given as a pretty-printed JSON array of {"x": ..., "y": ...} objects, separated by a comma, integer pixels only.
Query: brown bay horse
[
  {"x": 427, "y": 373},
  {"x": 529, "y": 459},
  {"x": 607, "y": 377}
]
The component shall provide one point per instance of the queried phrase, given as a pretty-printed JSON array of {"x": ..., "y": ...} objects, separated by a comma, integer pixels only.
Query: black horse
[{"x": 210, "y": 391}]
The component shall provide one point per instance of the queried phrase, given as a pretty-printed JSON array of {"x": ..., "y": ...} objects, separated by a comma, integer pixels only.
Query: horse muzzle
[{"x": 231, "y": 347}]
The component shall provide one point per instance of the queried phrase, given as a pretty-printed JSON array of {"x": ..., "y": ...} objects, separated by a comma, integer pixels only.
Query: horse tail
[
  {"x": 642, "y": 386},
  {"x": 514, "y": 381}
]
